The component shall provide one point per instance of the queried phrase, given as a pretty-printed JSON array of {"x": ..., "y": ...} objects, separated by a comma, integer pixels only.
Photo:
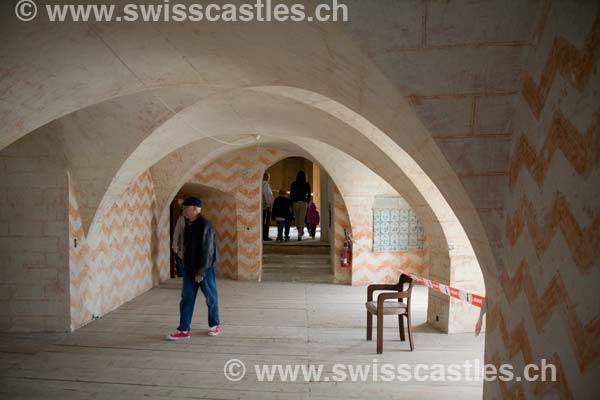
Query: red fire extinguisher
[
  {"x": 346, "y": 252},
  {"x": 345, "y": 256}
]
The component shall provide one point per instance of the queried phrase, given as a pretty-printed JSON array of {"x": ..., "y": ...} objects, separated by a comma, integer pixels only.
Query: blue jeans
[
  {"x": 281, "y": 225},
  {"x": 188, "y": 298}
]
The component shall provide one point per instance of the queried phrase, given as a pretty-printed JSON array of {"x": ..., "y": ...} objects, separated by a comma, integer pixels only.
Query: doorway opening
[{"x": 299, "y": 251}]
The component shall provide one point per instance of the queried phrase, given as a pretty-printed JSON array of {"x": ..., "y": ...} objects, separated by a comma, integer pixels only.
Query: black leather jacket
[{"x": 200, "y": 246}]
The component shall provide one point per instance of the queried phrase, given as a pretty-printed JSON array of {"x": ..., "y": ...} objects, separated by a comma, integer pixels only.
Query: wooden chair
[{"x": 382, "y": 307}]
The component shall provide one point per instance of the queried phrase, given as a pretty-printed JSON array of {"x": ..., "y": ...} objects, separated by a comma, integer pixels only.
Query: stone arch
[
  {"x": 225, "y": 171},
  {"x": 238, "y": 172},
  {"x": 309, "y": 115},
  {"x": 114, "y": 70},
  {"x": 357, "y": 189}
]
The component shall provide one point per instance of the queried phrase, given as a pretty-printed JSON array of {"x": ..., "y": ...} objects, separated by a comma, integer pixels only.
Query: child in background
[
  {"x": 281, "y": 213},
  {"x": 312, "y": 219}
]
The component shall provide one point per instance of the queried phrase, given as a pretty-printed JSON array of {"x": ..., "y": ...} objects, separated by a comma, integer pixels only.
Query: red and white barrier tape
[{"x": 471, "y": 298}]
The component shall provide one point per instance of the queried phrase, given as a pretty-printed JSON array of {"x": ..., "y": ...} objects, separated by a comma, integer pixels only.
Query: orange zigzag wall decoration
[
  {"x": 516, "y": 342},
  {"x": 582, "y": 151},
  {"x": 583, "y": 243},
  {"x": 573, "y": 64},
  {"x": 585, "y": 339},
  {"x": 516, "y": 391}
]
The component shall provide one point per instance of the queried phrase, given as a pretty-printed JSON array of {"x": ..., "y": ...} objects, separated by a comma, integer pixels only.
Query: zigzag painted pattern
[
  {"x": 585, "y": 340},
  {"x": 120, "y": 264},
  {"x": 163, "y": 249},
  {"x": 239, "y": 174},
  {"x": 385, "y": 267},
  {"x": 573, "y": 64},
  {"x": 221, "y": 212},
  {"x": 582, "y": 151},
  {"x": 341, "y": 222},
  {"x": 516, "y": 390},
  {"x": 79, "y": 271},
  {"x": 584, "y": 243}
]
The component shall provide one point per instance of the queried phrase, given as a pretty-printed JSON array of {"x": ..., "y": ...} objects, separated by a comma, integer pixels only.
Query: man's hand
[{"x": 198, "y": 278}]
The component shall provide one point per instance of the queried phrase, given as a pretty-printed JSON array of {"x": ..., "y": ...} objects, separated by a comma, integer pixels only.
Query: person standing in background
[
  {"x": 312, "y": 219},
  {"x": 267, "y": 205},
  {"x": 282, "y": 214},
  {"x": 300, "y": 195},
  {"x": 177, "y": 244}
]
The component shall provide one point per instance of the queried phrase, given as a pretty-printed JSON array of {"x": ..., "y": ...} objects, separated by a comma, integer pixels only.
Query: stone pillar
[{"x": 325, "y": 206}]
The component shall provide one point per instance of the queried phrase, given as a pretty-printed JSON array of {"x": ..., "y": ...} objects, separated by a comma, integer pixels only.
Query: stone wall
[{"x": 34, "y": 275}]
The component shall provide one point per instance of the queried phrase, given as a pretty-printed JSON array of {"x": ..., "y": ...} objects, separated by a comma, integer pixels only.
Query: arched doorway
[{"x": 286, "y": 257}]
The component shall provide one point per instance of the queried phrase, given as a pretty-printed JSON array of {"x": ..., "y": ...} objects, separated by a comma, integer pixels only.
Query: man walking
[{"x": 199, "y": 259}]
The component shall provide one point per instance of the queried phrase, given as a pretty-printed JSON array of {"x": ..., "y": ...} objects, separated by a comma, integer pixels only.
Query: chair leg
[
  {"x": 410, "y": 335},
  {"x": 401, "y": 327},
  {"x": 369, "y": 326},
  {"x": 379, "y": 333}
]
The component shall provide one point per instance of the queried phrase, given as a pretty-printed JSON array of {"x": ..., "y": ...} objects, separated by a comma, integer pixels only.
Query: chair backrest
[{"x": 405, "y": 279}]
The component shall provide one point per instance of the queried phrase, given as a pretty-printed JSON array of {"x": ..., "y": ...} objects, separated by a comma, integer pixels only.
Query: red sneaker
[
  {"x": 214, "y": 331},
  {"x": 178, "y": 335}
]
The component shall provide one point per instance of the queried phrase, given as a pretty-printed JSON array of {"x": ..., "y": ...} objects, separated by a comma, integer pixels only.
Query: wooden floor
[{"x": 124, "y": 355}]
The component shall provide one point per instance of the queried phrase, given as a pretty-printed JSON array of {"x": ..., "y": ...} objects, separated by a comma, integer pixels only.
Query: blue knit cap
[{"x": 192, "y": 201}]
